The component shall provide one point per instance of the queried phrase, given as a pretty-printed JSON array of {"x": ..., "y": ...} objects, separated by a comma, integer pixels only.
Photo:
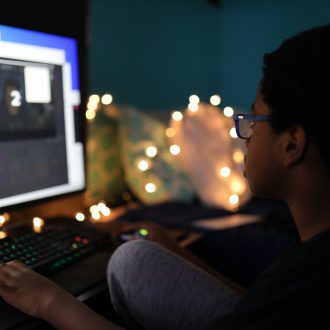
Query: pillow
[
  {"x": 105, "y": 176},
  {"x": 164, "y": 179},
  {"x": 213, "y": 156}
]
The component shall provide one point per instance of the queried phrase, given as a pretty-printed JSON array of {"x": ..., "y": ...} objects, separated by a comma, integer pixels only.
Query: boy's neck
[{"x": 311, "y": 210}]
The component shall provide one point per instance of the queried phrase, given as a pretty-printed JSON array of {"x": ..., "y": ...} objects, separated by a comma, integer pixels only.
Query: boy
[{"x": 287, "y": 158}]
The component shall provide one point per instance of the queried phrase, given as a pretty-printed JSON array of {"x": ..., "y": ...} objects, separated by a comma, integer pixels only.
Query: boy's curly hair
[{"x": 296, "y": 86}]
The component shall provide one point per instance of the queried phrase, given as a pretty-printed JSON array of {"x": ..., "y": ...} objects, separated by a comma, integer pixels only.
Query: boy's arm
[
  {"x": 66, "y": 312},
  {"x": 39, "y": 297}
]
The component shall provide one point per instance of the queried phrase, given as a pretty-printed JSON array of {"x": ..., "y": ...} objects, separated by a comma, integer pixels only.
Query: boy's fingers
[
  {"x": 6, "y": 281},
  {"x": 3, "y": 275},
  {"x": 5, "y": 269},
  {"x": 17, "y": 265}
]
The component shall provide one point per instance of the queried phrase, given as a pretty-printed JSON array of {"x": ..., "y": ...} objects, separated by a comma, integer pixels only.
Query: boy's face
[{"x": 263, "y": 168}]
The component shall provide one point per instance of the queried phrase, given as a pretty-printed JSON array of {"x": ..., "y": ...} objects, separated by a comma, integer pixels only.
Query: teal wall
[{"x": 153, "y": 54}]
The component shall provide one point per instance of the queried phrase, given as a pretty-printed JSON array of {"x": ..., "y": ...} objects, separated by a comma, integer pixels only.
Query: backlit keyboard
[{"x": 53, "y": 248}]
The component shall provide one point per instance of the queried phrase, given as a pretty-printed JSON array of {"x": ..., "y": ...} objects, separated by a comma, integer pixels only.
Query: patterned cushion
[
  {"x": 105, "y": 177},
  {"x": 213, "y": 159},
  {"x": 138, "y": 131}
]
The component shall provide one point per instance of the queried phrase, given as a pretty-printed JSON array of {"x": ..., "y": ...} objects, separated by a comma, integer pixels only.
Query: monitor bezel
[{"x": 79, "y": 34}]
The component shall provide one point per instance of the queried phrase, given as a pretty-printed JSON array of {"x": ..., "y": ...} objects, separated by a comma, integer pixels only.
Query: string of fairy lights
[
  {"x": 230, "y": 170},
  {"x": 100, "y": 212},
  {"x": 144, "y": 162}
]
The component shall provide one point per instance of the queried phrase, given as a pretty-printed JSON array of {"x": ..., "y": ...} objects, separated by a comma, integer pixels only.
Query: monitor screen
[{"x": 41, "y": 152}]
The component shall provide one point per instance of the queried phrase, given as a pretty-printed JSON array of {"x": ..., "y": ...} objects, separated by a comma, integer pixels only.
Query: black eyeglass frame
[{"x": 251, "y": 118}]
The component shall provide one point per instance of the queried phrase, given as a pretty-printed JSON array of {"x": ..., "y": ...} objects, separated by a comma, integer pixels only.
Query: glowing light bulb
[
  {"x": 238, "y": 156},
  {"x": 193, "y": 107},
  {"x": 143, "y": 165},
  {"x": 150, "y": 187},
  {"x": 177, "y": 115},
  {"x": 92, "y": 106},
  {"x": 101, "y": 206},
  {"x": 215, "y": 100},
  {"x": 194, "y": 99},
  {"x": 106, "y": 211},
  {"x": 3, "y": 234},
  {"x": 93, "y": 208},
  {"x": 233, "y": 199},
  {"x": 2, "y": 220},
  {"x": 170, "y": 132},
  {"x": 225, "y": 171},
  {"x": 94, "y": 98},
  {"x": 96, "y": 216},
  {"x": 90, "y": 114},
  {"x": 237, "y": 187},
  {"x": 151, "y": 151},
  {"x": 37, "y": 224},
  {"x": 232, "y": 133},
  {"x": 175, "y": 149},
  {"x": 80, "y": 216},
  {"x": 106, "y": 99},
  {"x": 228, "y": 111}
]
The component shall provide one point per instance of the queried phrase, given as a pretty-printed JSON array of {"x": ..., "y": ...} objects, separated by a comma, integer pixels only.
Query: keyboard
[{"x": 54, "y": 248}]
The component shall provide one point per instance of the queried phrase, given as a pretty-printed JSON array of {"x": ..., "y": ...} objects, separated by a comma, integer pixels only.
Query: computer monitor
[{"x": 41, "y": 150}]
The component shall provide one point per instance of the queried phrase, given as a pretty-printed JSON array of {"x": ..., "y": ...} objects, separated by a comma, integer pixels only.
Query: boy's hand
[
  {"x": 26, "y": 290},
  {"x": 156, "y": 233}
]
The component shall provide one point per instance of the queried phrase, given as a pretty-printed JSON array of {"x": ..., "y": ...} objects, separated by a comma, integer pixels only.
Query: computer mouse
[{"x": 133, "y": 234}]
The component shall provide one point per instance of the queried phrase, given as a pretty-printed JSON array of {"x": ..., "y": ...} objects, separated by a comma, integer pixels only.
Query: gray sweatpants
[{"x": 152, "y": 288}]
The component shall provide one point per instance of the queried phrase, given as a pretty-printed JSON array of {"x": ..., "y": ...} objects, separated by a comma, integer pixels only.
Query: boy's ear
[{"x": 294, "y": 145}]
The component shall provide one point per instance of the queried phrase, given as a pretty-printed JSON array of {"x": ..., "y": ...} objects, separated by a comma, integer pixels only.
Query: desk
[{"x": 83, "y": 279}]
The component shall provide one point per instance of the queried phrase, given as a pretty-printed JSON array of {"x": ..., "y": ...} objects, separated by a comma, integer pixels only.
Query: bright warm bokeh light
[
  {"x": 90, "y": 114},
  {"x": 80, "y": 216},
  {"x": 143, "y": 165},
  {"x": 225, "y": 171},
  {"x": 38, "y": 222},
  {"x": 175, "y": 149},
  {"x": 177, "y": 115},
  {"x": 193, "y": 107},
  {"x": 93, "y": 208},
  {"x": 238, "y": 156},
  {"x": 150, "y": 187},
  {"x": 237, "y": 187},
  {"x": 94, "y": 98},
  {"x": 3, "y": 234},
  {"x": 170, "y": 132},
  {"x": 106, "y": 99},
  {"x": 92, "y": 105},
  {"x": 2, "y": 220},
  {"x": 232, "y": 133},
  {"x": 151, "y": 151},
  {"x": 228, "y": 111},
  {"x": 101, "y": 206},
  {"x": 194, "y": 99},
  {"x": 215, "y": 100},
  {"x": 106, "y": 211},
  {"x": 96, "y": 216},
  {"x": 233, "y": 199}
]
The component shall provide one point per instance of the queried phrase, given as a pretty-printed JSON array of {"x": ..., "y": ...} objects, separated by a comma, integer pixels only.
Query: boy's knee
[{"x": 129, "y": 257}]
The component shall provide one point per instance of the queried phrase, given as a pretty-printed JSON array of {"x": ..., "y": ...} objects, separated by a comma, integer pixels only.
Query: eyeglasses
[{"x": 244, "y": 124}]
